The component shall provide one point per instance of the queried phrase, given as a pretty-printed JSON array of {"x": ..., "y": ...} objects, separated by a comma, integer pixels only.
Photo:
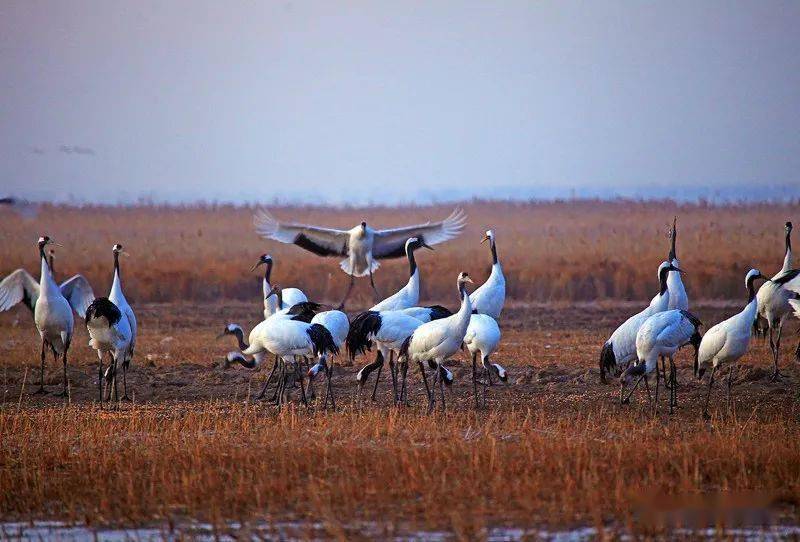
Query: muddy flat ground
[{"x": 553, "y": 448}]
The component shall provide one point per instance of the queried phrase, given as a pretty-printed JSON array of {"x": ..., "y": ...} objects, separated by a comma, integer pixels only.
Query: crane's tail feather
[
  {"x": 362, "y": 327},
  {"x": 348, "y": 268}
]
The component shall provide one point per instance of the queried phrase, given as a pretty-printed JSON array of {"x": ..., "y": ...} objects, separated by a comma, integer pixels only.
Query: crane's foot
[
  {"x": 126, "y": 399},
  {"x": 40, "y": 391},
  {"x": 776, "y": 376}
]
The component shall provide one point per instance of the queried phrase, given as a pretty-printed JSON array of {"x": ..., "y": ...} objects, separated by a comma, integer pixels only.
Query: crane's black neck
[
  {"x": 494, "y": 251},
  {"x": 662, "y": 279},
  {"x": 240, "y": 338},
  {"x": 51, "y": 263},
  {"x": 674, "y": 236},
  {"x": 462, "y": 290},
  {"x": 279, "y": 295},
  {"x": 116, "y": 264},
  {"x": 788, "y": 241},
  {"x": 268, "y": 272},
  {"x": 412, "y": 262}
]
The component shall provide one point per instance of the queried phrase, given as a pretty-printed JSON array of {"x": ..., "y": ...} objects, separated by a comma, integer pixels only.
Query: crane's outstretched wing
[
  {"x": 79, "y": 293},
  {"x": 320, "y": 241},
  {"x": 391, "y": 243},
  {"x": 16, "y": 287}
]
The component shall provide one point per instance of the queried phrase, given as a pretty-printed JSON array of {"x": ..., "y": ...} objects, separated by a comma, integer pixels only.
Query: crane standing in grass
[
  {"x": 52, "y": 307},
  {"x": 728, "y": 341}
]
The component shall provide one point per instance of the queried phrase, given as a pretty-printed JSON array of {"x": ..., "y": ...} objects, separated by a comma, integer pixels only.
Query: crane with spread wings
[{"x": 360, "y": 246}]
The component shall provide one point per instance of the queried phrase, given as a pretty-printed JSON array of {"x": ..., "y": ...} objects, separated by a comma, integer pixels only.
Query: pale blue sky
[{"x": 323, "y": 100}]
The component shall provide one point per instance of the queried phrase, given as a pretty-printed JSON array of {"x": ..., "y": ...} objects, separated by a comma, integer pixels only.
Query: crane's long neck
[
  {"x": 662, "y": 281},
  {"x": 412, "y": 262},
  {"x": 495, "y": 261},
  {"x": 240, "y": 339},
  {"x": 46, "y": 280},
  {"x": 465, "y": 311},
  {"x": 674, "y": 237},
  {"x": 787, "y": 259},
  {"x": 116, "y": 285}
]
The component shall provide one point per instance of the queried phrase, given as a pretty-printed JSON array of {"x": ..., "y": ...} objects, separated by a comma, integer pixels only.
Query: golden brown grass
[{"x": 581, "y": 250}]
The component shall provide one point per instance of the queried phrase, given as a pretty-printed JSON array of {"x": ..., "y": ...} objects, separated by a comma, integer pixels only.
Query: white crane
[
  {"x": 290, "y": 296},
  {"x": 773, "y": 301},
  {"x": 660, "y": 336},
  {"x": 728, "y": 341},
  {"x": 285, "y": 338},
  {"x": 408, "y": 295},
  {"x": 117, "y": 297},
  {"x": 620, "y": 348},
  {"x": 109, "y": 332},
  {"x": 361, "y": 246},
  {"x": 677, "y": 292},
  {"x": 52, "y": 306},
  {"x": 490, "y": 296},
  {"x": 483, "y": 337},
  {"x": 437, "y": 341},
  {"x": 393, "y": 326},
  {"x": 338, "y": 325},
  {"x": 302, "y": 312}
]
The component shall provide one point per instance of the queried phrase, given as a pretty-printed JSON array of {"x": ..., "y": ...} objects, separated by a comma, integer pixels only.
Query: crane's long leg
[
  {"x": 708, "y": 394},
  {"x": 100, "y": 374},
  {"x": 441, "y": 385},
  {"x": 125, "y": 381},
  {"x": 65, "y": 391},
  {"x": 269, "y": 379},
  {"x": 329, "y": 392},
  {"x": 404, "y": 373},
  {"x": 393, "y": 370},
  {"x": 425, "y": 380},
  {"x": 658, "y": 381},
  {"x": 377, "y": 379},
  {"x": 432, "y": 398},
  {"x": 730, "y": 384},
  {"x": 347, "y": 293},
  {"x": 776, "y": 374},
  {"x": 647, "y": 387},
  {"x": 622, "y": 398},
  {"x": 372, "y": 283},
  {"x": 41, "y": 389},
  {"x": 475, "y": 378},
  {"x": 298, "y": 374}
]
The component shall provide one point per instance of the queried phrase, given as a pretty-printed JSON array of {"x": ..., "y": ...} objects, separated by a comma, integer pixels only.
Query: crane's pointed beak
[
  {"x": 426, "y": 245},
  {"x": 259, "y": 262},
  {"x": 221, "y": 335},
  {"x": 485, "y": 238}
]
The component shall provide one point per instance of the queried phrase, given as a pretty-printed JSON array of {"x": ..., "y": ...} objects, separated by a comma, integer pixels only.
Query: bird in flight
[{"x": 361, "y": 246}]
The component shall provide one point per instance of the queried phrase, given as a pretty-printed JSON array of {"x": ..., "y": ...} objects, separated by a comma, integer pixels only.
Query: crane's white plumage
[
  {"x": 728, "y": 341},
  {"x": 620, "y": 348},
  {"x": 481, "y": 339},
  {"x": 438, "y": 340},
  {"x": 490, "y": 297},
  {"x": 109, "y": 332},
  {"x": 408, "y": 295},
  {"x": 677, "y": 292},
  {"x": 773, "y": 300},
  {"x": 52, "y": 305}
]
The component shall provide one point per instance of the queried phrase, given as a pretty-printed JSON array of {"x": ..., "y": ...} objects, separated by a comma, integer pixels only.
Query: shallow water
[{"x": 290, "y": 531}]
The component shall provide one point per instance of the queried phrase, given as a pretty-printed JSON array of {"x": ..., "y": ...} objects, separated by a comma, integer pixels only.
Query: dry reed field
[
  {"x": 553, "y": 450},
  {"x": 563, "y": 251}
]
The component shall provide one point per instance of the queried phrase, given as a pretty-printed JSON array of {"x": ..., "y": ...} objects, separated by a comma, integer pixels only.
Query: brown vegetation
[
  {"x": 563, "y": 251},
  {"x": 554, "y": 448}
]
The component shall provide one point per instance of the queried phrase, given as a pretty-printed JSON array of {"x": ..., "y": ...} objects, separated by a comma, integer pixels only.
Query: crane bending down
[{"x": 360, "y": 246}]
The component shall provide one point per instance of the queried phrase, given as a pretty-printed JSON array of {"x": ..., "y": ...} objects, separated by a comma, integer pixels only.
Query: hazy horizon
[{"x": 355, "y": 102}]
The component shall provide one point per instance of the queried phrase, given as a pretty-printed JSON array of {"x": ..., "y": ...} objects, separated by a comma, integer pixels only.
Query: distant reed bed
[{"x": 554, "y": 251}]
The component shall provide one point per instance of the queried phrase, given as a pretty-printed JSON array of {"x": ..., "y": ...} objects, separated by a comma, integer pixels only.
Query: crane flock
[{"x": 306, "y": 338}]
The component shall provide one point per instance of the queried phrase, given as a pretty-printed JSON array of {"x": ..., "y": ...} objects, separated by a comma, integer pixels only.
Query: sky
[{"x": 336, "y": 102}]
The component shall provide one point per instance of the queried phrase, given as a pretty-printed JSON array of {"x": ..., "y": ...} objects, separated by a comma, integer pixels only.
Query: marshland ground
[{"x": 552, "y": 449}]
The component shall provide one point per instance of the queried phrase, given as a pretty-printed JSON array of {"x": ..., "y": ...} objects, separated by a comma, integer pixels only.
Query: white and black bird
[
  {"x": 123, "y": 358},
  {"x": 290, "y": 296},
  {"x": 677, "y": 292},
  {"x": 482, "y": 339},
  {"x": 728, "y": 341},
  {"x": 360, "y": 246},
  {"x": 490, "y": 296},
  {"x": 408, "y": 295},
  {"x": 620, "y": 348},
  {"x": 338, "y": 325},
  {"x": 436, "y": 341},
  {"x": 660, "y": 336},
  {"x": 109, "y": 333},
  {"x": 773, "y": 301},
  {"x": 52, "y": 306}
]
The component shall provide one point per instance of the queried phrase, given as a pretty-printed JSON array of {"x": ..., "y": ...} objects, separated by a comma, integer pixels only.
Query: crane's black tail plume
[
  {"x": 362, "y": 326},
  {"x": 322, "y": 340},
  {"x": 304, "y": 311},
  {"x": 438, "y": 312}
]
